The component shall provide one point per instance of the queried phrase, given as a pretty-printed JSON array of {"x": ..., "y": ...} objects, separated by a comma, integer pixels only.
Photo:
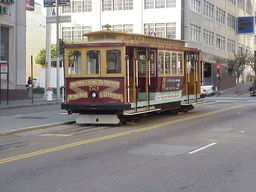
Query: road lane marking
[
  {"x": 56, "y": 135},
  {"x": 107, "y": 137},
  {"x": 202, "y": 148}
]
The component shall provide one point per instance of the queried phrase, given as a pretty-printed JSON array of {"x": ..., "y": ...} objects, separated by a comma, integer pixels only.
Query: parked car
[
  {"x": 207, "y": 90},
  {"x": 253, "y": 89}
]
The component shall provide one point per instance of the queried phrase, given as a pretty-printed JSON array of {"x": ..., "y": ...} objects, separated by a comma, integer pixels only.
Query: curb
[
  {"x": 9, "y": 132},
  {"x": 29, "y": 105}
]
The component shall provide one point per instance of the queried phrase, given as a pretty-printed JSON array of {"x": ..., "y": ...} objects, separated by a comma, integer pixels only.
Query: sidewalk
[
  {"x": 38, "y": 100},
  {"x": 23, "y": 115},
  {"x": 238, "y": 90}
]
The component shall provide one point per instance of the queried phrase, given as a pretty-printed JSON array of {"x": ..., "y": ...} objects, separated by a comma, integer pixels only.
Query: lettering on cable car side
[
  {"x": 94, "y": 85},
  {"x": 95, "y": 82}
]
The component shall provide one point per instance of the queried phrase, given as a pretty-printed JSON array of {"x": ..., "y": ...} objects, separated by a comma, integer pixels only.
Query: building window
[
  {"x": 240, "y": 4},
  {"x": 195, "y": 32},
  {"x": 231, "y": 46},
  {"x": 118, "y": 4},
  {"x": 87, "y": 5},
  {"x": 128, "y": 28},
  {"x": 220, "y": 15},
  {"x": 107, "y": 5},
  {"x": 232, "y": 1},
  {"x": 67, "y": 33},
  {"x": 66, "y": 9},
  {"x": 249, "y": 7},
  {"x": 195, "y": 5},
  {"x": 160, "y": 29},
  {"x": 160, "y": 3},
  {"x": 208, "y": 10},
  {"x": 151, "y": 4},
  {"x": 208, "y": 37},
  {"x": 220, "y": 42},
  {"x": 231, "y": 21},
  {"x": 77, "y": 6},
  {"x": 171, "y": 30},
  {"x": 4, "y": 44},
  {"x": 75, "y": 33},
  {"x": 122, "y": 28},
  {"x": 110, "y": 5},
  {"x": 167, "y": 30},
  {"x": 170, "y": 3},
  {"x": 128, "y": 4}
]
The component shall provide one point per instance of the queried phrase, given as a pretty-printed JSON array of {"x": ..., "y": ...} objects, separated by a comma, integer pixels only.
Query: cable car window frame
[
  {"x": 99, "y": 62},
  {"x": 78, "y": 67},
  {"x": 117, "y": 62},
  {"x": 160, "y": 65}
]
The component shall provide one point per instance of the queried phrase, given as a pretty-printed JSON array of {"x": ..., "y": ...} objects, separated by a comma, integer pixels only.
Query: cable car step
[{"x": 133, "y": 112}]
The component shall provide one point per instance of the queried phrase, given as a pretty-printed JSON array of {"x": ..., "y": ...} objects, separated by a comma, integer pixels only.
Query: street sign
[
  {"x": 3, "y": 67},
  {"x": 49, "y": 3},
  {"x": 62, "y": 19},
  {"x": 64, "y": 2},
  {"x": 245, "y": 25}
]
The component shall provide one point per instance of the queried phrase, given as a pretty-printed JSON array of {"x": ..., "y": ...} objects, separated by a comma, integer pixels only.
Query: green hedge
[{"x": 40, "y": 90}]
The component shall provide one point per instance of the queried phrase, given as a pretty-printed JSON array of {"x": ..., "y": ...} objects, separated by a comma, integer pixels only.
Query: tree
[
  {"x": 252, "y": 64},
  {"x": 240, "y": 61},
  {"x": 41, "y": 57}
]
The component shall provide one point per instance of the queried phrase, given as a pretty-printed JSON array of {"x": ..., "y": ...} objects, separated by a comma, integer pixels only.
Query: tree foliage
[
  {"x": 41, "y": 57},
  {"x": 240, "y": 61},
  {"x": 252, "y": 64}
]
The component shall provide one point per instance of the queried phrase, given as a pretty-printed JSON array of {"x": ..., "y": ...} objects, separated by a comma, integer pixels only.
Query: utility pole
[
  {"x": 58, "y": 50},
  {"x": 48, "y": 53}
]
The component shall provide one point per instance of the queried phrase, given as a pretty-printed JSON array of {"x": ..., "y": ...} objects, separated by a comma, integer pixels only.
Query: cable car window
[
  {"x": 113, "y": 61},
  {"x": 142, "y": 63},
  {"x": 74, "y": 63},
  {"x": 174, "y": 63},
  {"x": 167, "y": 63},
  {"x": 152, "y": 62},
  {"x": 180, "y": 64},
  {"x": 93, "y": 62},
  {"x": 160, "y": 62}
]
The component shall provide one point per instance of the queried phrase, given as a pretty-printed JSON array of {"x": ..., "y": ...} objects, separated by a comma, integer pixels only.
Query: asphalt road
[{"x": 211, "y": 149}]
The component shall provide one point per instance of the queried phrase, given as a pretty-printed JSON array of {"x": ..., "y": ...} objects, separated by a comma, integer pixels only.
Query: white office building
[{"x": 209, "y": 25}]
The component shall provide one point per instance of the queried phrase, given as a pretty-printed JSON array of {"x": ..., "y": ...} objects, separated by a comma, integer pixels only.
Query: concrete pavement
[{"x": 23, "y": 115}]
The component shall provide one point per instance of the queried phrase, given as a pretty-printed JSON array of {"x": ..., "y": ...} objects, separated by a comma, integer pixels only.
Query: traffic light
[
  {"x": 218, "y": 71},
  {"x": 218, "y": 68},
  {"x": 61, "y": 47}
]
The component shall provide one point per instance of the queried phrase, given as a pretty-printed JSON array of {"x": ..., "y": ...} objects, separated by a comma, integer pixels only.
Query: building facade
[
  {"x": 35, "y": 38},
  {"x": 13, "y": 48},
  {"x": 209, "y": 25}
]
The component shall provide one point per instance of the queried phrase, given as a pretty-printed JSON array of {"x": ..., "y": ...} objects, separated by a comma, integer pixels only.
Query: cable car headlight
[{"x": 94, "y": 95}]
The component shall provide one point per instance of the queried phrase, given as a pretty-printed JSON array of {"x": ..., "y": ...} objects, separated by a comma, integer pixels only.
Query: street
[{"x": 211, "y": 148}]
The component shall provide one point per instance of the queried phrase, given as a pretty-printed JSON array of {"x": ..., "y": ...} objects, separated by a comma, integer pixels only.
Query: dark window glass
[
  {"x": 113, "y": 61},
  {"x": 93, "y": 62}
]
